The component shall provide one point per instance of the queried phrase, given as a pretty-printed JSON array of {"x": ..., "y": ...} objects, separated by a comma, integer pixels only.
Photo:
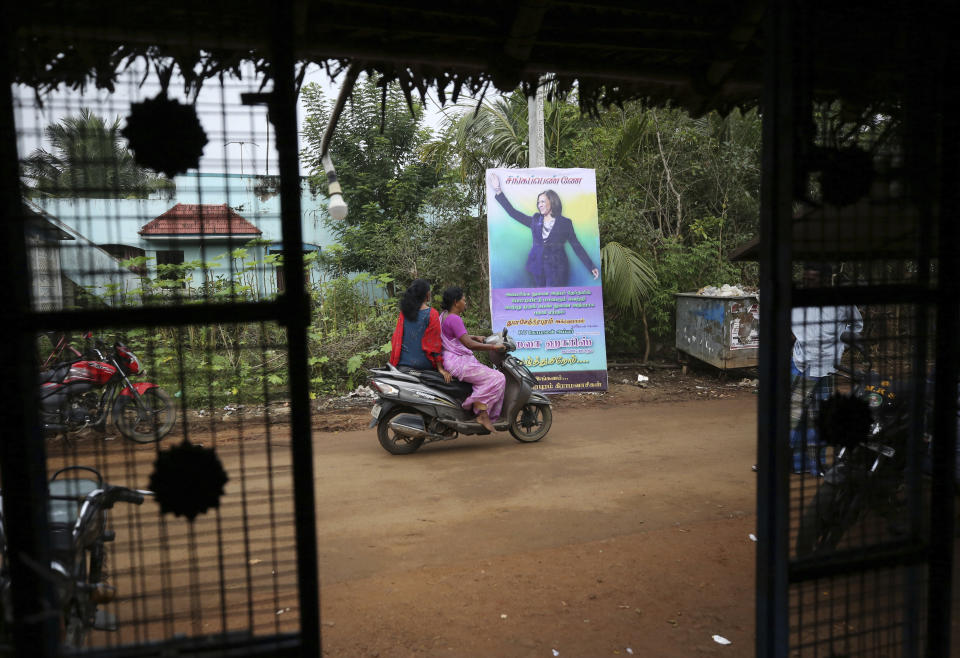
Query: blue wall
[{"x": 118, "y": 221}]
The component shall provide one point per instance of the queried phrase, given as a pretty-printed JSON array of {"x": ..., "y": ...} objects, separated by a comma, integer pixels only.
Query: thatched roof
[{"x": 702, "y": 54}]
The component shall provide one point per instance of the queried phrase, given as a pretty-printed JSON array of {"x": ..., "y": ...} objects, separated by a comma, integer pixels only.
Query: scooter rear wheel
[
  {"x": 393, "y": 442},
  {"x": 531, "y": 423}
]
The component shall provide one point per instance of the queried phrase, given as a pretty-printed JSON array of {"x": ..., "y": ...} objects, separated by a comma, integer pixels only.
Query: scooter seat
[{"x": 456, "y": 389}]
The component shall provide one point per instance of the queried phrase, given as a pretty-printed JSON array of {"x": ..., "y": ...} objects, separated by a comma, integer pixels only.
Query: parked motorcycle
[
  {"x": 870, "y": 430},
  {"x": 417, "y": 407},
  {"x": 77, "y": 514},
  {"x": 84, "y": 391}
]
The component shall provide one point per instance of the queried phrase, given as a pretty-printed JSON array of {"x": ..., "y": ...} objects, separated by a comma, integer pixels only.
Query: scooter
[
  {"x": 417, "y": 407},
  {"x": 77, "y": 515}
]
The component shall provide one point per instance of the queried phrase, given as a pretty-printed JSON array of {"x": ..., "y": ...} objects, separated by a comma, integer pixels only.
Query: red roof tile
[{"x": 200, "y": 219}]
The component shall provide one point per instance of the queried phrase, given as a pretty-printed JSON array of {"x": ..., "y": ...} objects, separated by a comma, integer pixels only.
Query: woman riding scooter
[
  {"x": 416, "y": 340},
  {"x": 458, "y": 347}
]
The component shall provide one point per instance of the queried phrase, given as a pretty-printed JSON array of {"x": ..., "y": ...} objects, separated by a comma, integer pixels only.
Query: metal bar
[
  {"x": 914, "y": 623},
  {"x": 844, "y": 563},
  {"x": 22, "y": 448},
  {"x": 283, "y": 113},
  {"x": 948, "y": 359},
  {"x": 861, "y": 295},
  {"x": 773, "y": 421},
  {"x": 228, "y": 645},
  {"x": 159, "y": 316}
]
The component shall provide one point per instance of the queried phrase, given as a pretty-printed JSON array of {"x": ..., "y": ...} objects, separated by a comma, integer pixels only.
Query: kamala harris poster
[{"x": 544, "y": 245}]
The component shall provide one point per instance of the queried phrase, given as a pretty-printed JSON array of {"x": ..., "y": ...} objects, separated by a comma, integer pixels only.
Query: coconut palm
[
  {"x": 89, "y": 158},
  {"x": 495, "y": 135},
  {"x": 628, "y": 281}
]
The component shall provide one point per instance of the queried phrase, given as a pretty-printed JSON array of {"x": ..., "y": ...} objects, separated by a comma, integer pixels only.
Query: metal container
[{"x": 721, "y": 331}]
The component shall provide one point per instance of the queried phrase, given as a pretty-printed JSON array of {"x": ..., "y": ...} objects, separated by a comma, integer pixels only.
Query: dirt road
[{"x": 627, "y": 527}]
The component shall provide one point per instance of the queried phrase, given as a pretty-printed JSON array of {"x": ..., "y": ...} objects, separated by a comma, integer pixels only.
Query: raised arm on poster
[
  {"x": 544, "y": 246},
  {"x": 550, "y": 231}
]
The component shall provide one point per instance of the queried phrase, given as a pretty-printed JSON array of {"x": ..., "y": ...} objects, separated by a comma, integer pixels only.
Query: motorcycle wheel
[
  {"x": 531, "y": 423},
  {"x": 828, "y": 515},
  {"x": 153, "y": 424},
  {"x": 392, "y": 442}
]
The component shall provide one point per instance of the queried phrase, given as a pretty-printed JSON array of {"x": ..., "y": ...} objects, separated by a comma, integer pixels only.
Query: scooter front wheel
[
  {"x": 392, "y": 441},
  {"x": 531, "y": 423}
]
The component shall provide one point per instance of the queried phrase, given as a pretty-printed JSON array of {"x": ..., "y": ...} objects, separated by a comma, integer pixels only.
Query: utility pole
[
  {"x": 535, "y": 125},
  {"x": 241, "y": 151}
]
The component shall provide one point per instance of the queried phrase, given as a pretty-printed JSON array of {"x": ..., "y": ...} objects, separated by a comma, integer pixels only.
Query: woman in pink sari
[{"x": 458, "y": 347}]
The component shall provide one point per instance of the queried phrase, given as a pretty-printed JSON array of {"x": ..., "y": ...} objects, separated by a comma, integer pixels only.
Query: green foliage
[
  {"x": 375, "y": 150},
  {"x": 685, "y": 268},
  {"x": 628, "y": 279},
  {"x": 473, "y": 140},
  {"x": 675, "y": 194},
  {"x": 89, "y": 159},
  {"x": 660, "y": 172}
]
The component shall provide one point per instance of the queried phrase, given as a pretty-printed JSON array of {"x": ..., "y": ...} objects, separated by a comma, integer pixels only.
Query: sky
[{"x": 240, "y": 139}]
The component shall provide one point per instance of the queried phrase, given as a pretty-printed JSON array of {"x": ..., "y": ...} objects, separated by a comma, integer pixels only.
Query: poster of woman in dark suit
[
  {"x": 543, "y": 243},
  {"x": 547, "y": 262}
]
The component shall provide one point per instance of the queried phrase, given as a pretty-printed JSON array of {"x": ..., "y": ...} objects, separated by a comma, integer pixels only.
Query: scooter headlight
[{"x": 384, "y": 388}]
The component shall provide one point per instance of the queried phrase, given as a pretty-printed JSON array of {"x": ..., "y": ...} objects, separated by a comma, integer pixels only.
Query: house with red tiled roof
[
  {"x": 205, "y": 233},
  {"x": 199, "y": 220},
  {"x": 221, "y": 227}
]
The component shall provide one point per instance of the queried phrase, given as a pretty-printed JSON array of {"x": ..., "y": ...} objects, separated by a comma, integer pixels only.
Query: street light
[{"x": 337, "y": 207}]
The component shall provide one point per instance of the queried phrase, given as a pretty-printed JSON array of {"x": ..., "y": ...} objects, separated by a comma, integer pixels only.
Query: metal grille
[
  {"x": 859, "y": 498},
  {"x": 186, "y": 272},
  {"x": 232, "y": 569},
  {"x": 866, "y": 614},
  {"x": 856, "y": 510}
]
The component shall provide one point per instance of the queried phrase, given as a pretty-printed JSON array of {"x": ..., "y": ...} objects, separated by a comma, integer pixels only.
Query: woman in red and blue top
[{"x": 416, "y": 340}]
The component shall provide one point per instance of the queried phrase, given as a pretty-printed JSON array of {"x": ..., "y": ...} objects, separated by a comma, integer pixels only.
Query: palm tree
[
  {"x": 89, "y": 158},
  {"x": 628, "y": 281},
  {"x": 495, "y": 135}
]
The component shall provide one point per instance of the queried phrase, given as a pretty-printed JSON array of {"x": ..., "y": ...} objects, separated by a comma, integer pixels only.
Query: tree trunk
[{"x": 646, "y": 336}]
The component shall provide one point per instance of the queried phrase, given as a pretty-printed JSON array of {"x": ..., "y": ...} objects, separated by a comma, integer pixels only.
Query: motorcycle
[
  {"x": 77, "y": 514},
  {"x": 84, "y": 391},
  {"x": 417, "y": 407},
  {"x": 870, "y": 430}
]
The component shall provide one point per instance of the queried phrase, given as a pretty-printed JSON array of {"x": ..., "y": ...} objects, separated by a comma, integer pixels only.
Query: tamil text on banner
[{"x": 544, "y": 244}]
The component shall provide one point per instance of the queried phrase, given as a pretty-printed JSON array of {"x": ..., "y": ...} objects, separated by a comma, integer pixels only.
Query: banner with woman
[{"x": 544, "y": 246}]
